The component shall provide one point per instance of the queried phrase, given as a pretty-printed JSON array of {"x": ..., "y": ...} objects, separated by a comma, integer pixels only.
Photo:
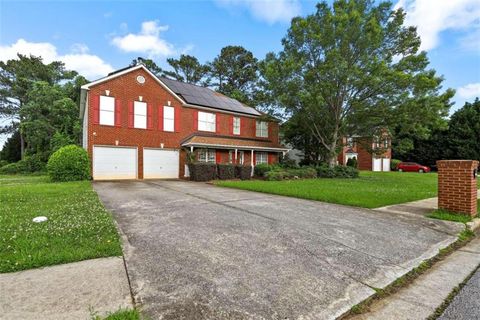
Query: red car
[{"x": 412, "y": 167}]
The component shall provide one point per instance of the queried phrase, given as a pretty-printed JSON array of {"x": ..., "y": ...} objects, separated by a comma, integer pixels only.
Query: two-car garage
[{"x": 114, "y": 163}]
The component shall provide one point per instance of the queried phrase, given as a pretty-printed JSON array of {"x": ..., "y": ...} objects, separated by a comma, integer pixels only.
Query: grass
[
  {"x": 443, "y": 214},
  {"x": 124, "y": 314},
  {"x": 78, "y": 225},
  {"x": 370, "y": 190}
]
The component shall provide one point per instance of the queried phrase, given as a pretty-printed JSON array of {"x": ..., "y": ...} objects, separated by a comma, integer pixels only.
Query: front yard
[
  {"x": 78, "y": 226},
  {"x": 370, "y": 190}
]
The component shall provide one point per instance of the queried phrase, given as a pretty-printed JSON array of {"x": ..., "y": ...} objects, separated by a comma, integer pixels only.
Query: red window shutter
[
  {"x": 130, "y": 114},
  {"x": 254, "y": 158},
  {"x": 217, "y": 123},
  {"x": 149, "y": 116},
  {"x": 96, "y": 109},
  {"x": 160, "y": 118},
  {"x": 270, "y": 158},
  {"x": 243, "y": 126},
  {"x": 218, "y": 157},
  {"x": 195, "y": 120},
  {"x": 118, "y": 113},
  {"x": 177, "y": 119},
  {"x": 231, "y": 125}
]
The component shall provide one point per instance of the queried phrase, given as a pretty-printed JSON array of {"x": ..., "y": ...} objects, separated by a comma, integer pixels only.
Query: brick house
[
  {"x": 372, "y": 154},
  {"x": 138, "y": 126}
]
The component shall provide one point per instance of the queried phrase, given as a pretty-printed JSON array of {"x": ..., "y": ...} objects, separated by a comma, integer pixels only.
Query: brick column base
[{"x": 457, "y": 186}]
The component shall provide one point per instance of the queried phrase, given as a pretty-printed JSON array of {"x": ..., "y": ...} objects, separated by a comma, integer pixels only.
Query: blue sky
[{"x": 95, "y": 38}]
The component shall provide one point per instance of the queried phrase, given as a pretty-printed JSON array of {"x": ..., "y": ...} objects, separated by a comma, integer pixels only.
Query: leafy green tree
[
  {"x": 47, "y": 113},
  {"x": 464, "y": 132},
  {"x": 11, "y": 149},
  {"x": 234, "y": 72},
  {"x": 152, "y": 66},
  {"x": 354, "y": 69},
  {"x": 17, "y": 78},
  {"x": 188, "y": 69}
]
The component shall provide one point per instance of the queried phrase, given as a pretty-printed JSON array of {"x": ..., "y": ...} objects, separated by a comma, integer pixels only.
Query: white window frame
[
  {"x": 168, "y": 120},
  {"x": 139, "y": 118},
  {"x": 207, "y": 121},
  {"x": 262, "y": 129},
  {"x": 107, "y": 111},
  {"x": 241, "y": 157},
  {"x": 236, "y": 125},
  {"x": 207, "y": 155},
  {"x": 230, "y": 156},
  {"x": 261, "y": 157}
]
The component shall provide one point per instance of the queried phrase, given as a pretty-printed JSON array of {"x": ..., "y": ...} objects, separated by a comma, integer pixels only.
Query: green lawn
[
  {"x": 78, "y": 228},
  {"x": 370, "y": 190}
]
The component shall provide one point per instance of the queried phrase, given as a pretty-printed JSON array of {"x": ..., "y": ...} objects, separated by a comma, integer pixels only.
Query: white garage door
[
  {"x": 160, "y": 164},
  {"x": 377, "y": 164},
  {"x": 110, "y": 163},
  {"x": 386, "y": 164}
]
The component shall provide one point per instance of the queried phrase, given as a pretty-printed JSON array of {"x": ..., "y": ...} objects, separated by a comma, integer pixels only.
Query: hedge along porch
[{"x": 214, "y": 149}]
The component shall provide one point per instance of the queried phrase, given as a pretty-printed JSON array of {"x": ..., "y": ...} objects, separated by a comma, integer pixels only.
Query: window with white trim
[
  {"x": 262, "y": 129},
  {"x": 206, "y": 155},
  {"x": 107, "y": 111},
  {"x": 140, "y": 115},
  {"x": 168, "y": 119},
  {"x": 261, "y": 157},
  {"x": 240, "y": 157},
  {"x": 206, "y": 121},
  {"x": 236, "y": 125},
  {"x": 230, "y": 156}
]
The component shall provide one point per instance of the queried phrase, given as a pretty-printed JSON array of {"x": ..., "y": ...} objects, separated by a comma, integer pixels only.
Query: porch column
[
  {"x": 191, "y": 148},
  {"x": 251, "y": 162},
  {"x": 236, "y": 156}
]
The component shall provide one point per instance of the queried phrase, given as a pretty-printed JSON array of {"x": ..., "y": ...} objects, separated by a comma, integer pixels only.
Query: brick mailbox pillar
[{"x": 457, "y": 186}]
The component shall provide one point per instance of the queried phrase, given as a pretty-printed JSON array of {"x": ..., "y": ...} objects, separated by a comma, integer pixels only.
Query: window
[
  {"x": 206, "y": 155},
  {"x": 240, "y": 157},
  {"x": 350, "y": 142},
  {"x": 140, "y": 115},
  {"x": 236, "y": 125},
  {"x": 107, "y": 110},
  {"x": 261, "y": 157},
  {"x": 262, "y": 129},
  {"x": 385, "y": 143},
  {"x": 168, "y": 119},
  {"x": 206, "y": 121},
  {"x": 230, "y": 156}
]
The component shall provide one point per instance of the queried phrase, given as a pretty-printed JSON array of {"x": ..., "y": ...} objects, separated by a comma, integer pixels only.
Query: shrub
[
  {"x": 35, "y": 163},
  {"x": 394, "y": 163},
  {"x": 260, "y": 169},
  {"x": 287, "y": 162},
  {"x": 30, "y": 164},
  {"x": 352, "y": 162},
  {"x": 3, "y": 163},
  {"x": 300, "y": 173},
  {"x": 243, "y": 172},
  {"x": 225, "y": 171},
  {"x": 69, "y": 163},
  {"x": 202, "y": 171},
  {"x": 14, "y": 168},
  {"x": 324, "y": 171}
]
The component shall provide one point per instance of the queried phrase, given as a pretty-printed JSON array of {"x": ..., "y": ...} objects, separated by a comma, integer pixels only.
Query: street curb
[{"x": 474, "y": 224}]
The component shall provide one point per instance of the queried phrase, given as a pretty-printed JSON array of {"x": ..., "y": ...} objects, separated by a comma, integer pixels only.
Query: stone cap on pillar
[{"x": 472, "y": 164}]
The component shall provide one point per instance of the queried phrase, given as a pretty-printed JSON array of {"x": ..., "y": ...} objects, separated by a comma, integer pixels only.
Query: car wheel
[
  {"x": 400, "y": 170},
  {"x": 421, "y": 171}
]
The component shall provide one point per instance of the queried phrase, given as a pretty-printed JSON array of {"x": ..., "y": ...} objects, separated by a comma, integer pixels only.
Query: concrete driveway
[{"x": 196, "y": 251}]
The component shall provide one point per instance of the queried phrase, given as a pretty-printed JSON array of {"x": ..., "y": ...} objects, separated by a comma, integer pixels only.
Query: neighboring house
[
  {"x": 371, "y": 153},
  {"x": 139, "y": 126}
]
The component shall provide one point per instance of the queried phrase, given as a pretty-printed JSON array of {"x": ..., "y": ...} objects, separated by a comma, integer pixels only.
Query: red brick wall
[
  {"x": 457, "y": 188},
  {"x": 364, "y": 158},
  {"x": 127, "y": 89}
]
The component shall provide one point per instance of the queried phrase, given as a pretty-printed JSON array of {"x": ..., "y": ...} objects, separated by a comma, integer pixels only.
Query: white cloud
[
  {"x": 434, "y": 16},
  {"x": 88, "y": 65},
  {"x": 270, "y": 11},
  {"x": 469, "y": 91},
  {"x": 148, "y": 41}
]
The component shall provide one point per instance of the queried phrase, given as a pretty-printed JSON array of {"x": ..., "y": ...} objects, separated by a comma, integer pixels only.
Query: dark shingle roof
[{"x": 202, "y": 96}]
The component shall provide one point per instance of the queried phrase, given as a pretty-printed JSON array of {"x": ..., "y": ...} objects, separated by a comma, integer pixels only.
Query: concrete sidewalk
[
  {"x": 425, "y": 294},
  {"x": 420, "y": 207},
  {"x": 66, "y": 291}
]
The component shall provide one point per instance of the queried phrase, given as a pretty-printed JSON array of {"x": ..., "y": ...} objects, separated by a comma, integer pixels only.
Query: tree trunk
[{"x": 22, "y": 146}]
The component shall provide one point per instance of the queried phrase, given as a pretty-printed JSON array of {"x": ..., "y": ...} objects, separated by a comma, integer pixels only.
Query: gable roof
[{"x": 187, "y": 93}]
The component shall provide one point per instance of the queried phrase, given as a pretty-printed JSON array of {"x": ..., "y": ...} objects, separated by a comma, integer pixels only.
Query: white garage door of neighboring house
[
  {"x": 160, "y": 164},
  {"x": 386, "y": 164},
  {"x": 377, "y": 164},
  {"x": 111, "y": 163}
]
